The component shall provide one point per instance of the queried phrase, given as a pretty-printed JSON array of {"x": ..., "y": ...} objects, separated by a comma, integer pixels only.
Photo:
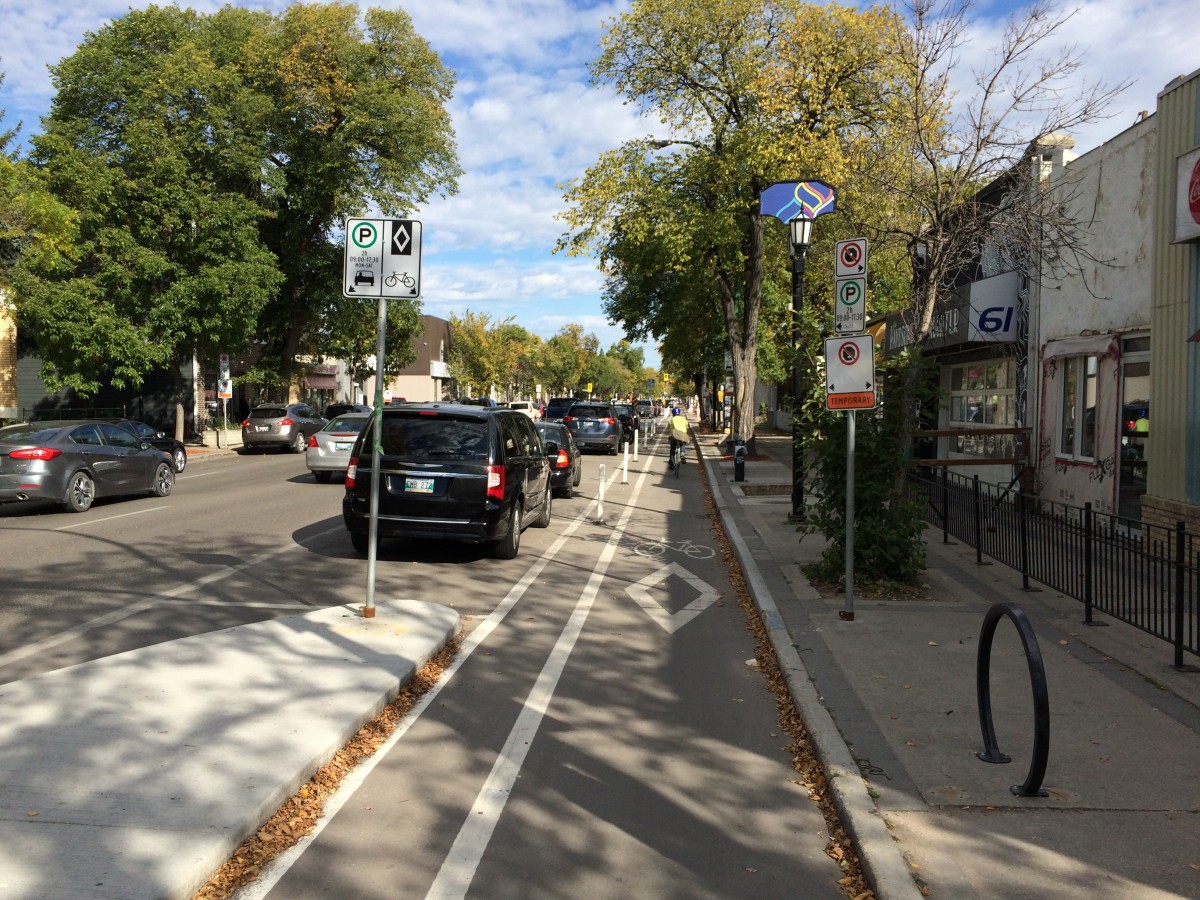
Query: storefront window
[
  {"x": 1077, "y": 409},
  {"x": 982, "y": 396}
]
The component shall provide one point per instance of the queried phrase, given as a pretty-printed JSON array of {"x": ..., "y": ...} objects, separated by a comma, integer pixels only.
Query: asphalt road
[{"x": 601, "y": 734}]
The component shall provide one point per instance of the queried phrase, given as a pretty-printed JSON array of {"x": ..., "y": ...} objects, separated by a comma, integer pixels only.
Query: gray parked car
[
  {"x": 329, "y": 449},
  {"x": 594, "y": 425},
  {"x": 74, "y": 462},
  {"x": 283, "y": 425}
]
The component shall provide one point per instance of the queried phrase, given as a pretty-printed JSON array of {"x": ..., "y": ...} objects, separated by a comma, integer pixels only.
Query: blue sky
[{"x": 527, "y": 119}]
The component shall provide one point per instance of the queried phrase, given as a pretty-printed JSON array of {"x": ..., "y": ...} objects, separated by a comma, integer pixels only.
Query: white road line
[
  {"x": 125, "y": 612},
  {"x": 274, "y": 871},
  {"x": 458, "y": 869},
  {"x": 136, "y": 512}
]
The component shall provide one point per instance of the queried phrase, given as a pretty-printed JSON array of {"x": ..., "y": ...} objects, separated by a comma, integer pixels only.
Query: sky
[{"x": 527, "y": 119}]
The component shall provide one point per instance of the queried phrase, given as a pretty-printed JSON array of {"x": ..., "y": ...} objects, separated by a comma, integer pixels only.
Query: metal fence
[{"x": 1142, "y": 574}]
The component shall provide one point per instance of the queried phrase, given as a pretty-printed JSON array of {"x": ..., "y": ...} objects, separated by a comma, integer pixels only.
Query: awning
[
  {"x": 321, "y": 382},
  {"x": 1092, "y": 345}
]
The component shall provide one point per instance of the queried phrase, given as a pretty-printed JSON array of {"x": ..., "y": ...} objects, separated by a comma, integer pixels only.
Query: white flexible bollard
[
  {"x": 636, "y": 432},
  {"x": 600, "y": 496},
  {"x": 625, "y": 465}
]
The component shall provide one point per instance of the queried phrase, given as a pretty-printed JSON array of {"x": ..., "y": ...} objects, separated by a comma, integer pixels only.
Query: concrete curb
[{"x": 883, "y": 864}]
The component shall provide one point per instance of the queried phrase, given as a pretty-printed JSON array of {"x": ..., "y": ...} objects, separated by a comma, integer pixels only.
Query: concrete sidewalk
[
  {"x": 890, "y": 702},
  {"x": 138, "y": 775}
]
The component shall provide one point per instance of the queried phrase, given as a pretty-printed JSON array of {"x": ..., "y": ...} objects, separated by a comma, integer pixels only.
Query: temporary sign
[
  {"x": 850, "y": 372},
  {"x": 383, "y": 258}
]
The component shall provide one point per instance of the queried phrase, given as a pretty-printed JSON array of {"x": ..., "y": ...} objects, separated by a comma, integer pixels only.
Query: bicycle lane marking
[
  {"x": 671, "y": 622},
  {"x": 275, "y": 871},
  {"x": 458, "y": 869}
]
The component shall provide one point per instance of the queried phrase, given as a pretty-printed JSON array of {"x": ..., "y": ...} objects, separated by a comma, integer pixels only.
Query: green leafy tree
[
  {"x": 698, "y": 68},
  {"x": 144, "y": 142}
]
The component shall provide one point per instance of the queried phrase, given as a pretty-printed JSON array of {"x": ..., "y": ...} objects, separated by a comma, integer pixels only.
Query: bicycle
[
  {"x": 657, "y": 549},
  {"x": 398, "y": 278},
  {"x": 678, "y": 458}
]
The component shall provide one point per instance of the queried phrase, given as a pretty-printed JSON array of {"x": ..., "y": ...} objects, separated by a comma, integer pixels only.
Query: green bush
[{"x": 889, "y": 522}]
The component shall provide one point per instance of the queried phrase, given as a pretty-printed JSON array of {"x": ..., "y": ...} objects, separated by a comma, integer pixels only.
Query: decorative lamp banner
[{"x": 785, "y": 200}]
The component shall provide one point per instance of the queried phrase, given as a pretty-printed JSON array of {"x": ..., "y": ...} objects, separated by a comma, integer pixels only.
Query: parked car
[
  {"x": 283, "y": 425},
  {"x": 566, "y": 462},
  {"x": 594, "y": 425},
  {"x": 333, "y": 410},
  {"x": 158, "y": 439},
  {"x": 449, "y": 471},
  {"x": 646, "y": 407},
  {"x": 479, "y": 401},
  {"x": 528, "y": 407},
  {"x": 328, "y": 452},
  {"x": 557, "y": 408},
  {"x": 74, "y": 462}
]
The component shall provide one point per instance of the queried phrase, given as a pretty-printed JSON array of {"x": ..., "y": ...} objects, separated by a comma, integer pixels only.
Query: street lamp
[{"x": 800, "y": 229}]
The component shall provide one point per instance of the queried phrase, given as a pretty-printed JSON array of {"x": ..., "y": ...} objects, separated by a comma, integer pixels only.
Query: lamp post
[{"x": 800, "y": 230}]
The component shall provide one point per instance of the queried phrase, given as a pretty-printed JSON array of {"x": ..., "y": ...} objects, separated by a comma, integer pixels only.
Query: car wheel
[
  {"x": 81, "y": 493},
  {"x": 323, "y": 477},
  {"x": 578, "y": 476},
  {"x": 543, "y": 519},
  {"x": 299, "y": 443},
  {"x": 507, "y": 547},
  {"x": 180, "y": 459},
  {"x": 360, "y": 540},
  {"x": 164, "y": 480}
]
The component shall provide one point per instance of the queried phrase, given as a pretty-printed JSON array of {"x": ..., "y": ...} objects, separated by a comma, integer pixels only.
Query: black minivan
[{"x": 466, "y": 473}]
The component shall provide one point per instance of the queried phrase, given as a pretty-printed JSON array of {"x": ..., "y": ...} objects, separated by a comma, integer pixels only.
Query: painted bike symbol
[{"x": 658, "y": 549}]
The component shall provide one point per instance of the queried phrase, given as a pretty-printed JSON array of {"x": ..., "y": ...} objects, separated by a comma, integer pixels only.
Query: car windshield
[{"x": 434, "y": 437}]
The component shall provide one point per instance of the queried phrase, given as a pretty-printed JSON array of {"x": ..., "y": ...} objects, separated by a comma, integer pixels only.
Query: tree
[
  {"x": 698, "y": 68},
  {"x": 211, "y": 161},
  {"x": 969, "y": 177},
  {"x": 143, "y": 141},
  {"x": 353, "y": 115}
]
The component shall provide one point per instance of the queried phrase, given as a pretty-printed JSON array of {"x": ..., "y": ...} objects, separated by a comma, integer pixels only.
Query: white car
[{"x": 530, "y": 409}]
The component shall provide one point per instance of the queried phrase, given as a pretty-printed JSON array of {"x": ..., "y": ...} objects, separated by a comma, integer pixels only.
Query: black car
[
  {"x": 566, "y": 463},
  {"x": 74, "y": 462},
  {"x": 157, "y": 439},
  {"x": 627, "y": 413},
  {"x": 449, "y": 471},
  {"x": 594, "y": 425}
]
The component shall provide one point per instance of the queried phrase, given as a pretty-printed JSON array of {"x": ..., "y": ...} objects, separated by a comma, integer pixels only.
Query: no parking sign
[
  {"x": 850, "y": 286},
  {"x": 850, "y": 372}
]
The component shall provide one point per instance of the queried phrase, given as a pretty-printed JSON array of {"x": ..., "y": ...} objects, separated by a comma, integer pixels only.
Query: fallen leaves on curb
[{"x": 298, "y": 816}]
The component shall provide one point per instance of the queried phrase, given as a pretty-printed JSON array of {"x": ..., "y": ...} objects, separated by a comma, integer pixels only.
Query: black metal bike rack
[{"x": 1032, "y": 786}]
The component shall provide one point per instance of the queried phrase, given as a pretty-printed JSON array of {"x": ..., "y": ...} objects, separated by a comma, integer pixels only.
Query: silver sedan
[{"x": 328, "y": 450}]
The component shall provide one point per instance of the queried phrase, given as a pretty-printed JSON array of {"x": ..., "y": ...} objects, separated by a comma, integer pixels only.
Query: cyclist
[{"x": 677, "y": 431}]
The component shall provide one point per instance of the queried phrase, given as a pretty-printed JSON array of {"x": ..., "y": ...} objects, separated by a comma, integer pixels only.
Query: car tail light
[
  {"x": 351, "y": 473},
  {"x": 245, "y": 423},
  {"x": 567, "y": 419},
  {"x": 312, "y": 440},
  {"x": 495, "y": 483},
  {"x": 286, "y": 423},
  {"x": 611, "y": 421},
  {"x": 563, "y": 460},
  {"x": 42, "y": 453}
]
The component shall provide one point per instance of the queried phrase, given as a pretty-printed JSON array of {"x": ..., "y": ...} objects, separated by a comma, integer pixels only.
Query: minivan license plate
[{"x": 419, "y": 485}]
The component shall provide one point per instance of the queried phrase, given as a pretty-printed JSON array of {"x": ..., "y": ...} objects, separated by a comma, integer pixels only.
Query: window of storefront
[
  {"x": 1077, "y": 409},
  {"x": 983, "y": 394}
]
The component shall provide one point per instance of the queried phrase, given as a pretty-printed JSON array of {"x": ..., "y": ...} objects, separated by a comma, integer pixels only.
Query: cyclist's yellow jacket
[{"x": 678, "y": 427}]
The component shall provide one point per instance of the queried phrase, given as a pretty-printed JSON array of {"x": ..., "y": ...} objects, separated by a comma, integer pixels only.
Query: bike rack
[{"x": 1032, "y": 786}]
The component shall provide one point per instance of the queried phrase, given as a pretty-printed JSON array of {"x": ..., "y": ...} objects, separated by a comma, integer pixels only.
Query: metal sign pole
[
  {"x": 848, "y": 612},
  {"x": 368, "y": 610}
]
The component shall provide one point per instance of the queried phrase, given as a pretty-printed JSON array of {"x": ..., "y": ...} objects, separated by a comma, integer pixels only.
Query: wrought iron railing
[{"x": 1143, "y": 574}]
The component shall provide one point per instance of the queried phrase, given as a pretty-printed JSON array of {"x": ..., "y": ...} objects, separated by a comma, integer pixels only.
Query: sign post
[{"x": 382, "y": 260}]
